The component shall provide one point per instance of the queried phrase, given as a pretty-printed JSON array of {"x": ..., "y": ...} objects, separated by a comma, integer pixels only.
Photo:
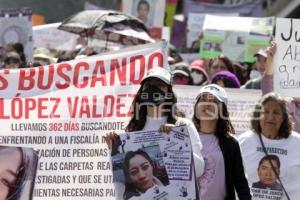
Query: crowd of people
[
  {"x": 226, "y": 167},
  {"x": 12, "y": 56},
  {"x": 225, "y": 163},
  {"x": 213, "y": 143}
]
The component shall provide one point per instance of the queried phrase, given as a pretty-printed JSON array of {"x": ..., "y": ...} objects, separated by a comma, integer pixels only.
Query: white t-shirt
[{"x": 288, "y": 152}]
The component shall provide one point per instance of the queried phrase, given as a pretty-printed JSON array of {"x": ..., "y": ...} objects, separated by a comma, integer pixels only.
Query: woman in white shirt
[{"x": 271, "y": 135}]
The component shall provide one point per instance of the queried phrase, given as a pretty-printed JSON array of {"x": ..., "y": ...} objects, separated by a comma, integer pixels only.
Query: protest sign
[
  {"x": 286, "y": 65},
  {"x": 151, "y": 12},
  {"x": 63, "y": 110},
  {"x": 163, "y": 160},
  {"x": 48, "y": 36},
  {"x": 239, "y": 42},
  {"x": 16, "y": 26},
  {"x": 195, "y": 25},
  {"x": 240, "y": 104}
]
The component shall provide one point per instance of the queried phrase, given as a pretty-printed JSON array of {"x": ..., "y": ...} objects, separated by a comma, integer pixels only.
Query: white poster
[
  {"x": 154, "y": 165},
  {"x": 286, "y": 65},
  {"x": 195, "y": 25},
  {"x": 16, "y": 26},
  {"x": 151, "y": 12}
]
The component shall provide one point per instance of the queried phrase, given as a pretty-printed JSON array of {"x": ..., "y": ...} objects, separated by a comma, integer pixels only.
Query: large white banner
[
  {"x": 286, "y": 65},
  {"x": 63, "y": 110}
]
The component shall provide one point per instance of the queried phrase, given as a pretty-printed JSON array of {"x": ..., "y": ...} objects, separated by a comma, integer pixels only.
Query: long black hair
[
  {"x": 130, "y": 189},
  {"x": 14, "y": 190}
]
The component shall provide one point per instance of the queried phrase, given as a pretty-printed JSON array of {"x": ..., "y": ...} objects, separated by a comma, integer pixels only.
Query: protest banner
[
  {"x": 63, "y": 110},
  {"x": 48, "y": 36},
  {"x": 240, "y": 104},
  {"x": 286, "y": 65},
  {"x": 239, "y": 42},
  {"x": 163, "y": 160},
  {"x": 16, "y": 26}
]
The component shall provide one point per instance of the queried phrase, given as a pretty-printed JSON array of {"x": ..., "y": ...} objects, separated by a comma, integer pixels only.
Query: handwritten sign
[{"x": 287, "y": 66}]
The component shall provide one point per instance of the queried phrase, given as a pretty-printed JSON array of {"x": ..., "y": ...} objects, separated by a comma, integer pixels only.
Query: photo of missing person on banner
[
  {"x": 139, "y": 170},
  {"x": 17, "y": 172},
  {"x": 267, "y": 177}
]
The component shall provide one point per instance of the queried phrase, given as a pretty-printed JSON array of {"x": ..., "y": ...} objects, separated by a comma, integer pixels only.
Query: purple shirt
[
  {"x": 293, "y": 107},
  {"x": 212, "y": 182}
]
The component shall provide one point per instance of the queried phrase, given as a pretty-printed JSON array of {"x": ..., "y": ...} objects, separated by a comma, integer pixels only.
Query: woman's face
[
  {"x": 10, "y": 162},
  {"x": 260, "y": 64},
  {"x": 207, "y": 107},
  {"x": 217, "y": 65},
  {"x": 141, "y": 172},
  {"x": 271, "y": 118},
  {"x": 221, "y": 83},
  {"x": 197, "y": 76},
  {"x": 180, "y": 79}
]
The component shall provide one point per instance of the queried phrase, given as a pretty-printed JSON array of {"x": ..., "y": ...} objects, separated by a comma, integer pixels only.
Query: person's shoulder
[
  {"x": 248, "y": 84},
  {"x": 295, "y": 136},
  {"x": 247, "y": 140}
]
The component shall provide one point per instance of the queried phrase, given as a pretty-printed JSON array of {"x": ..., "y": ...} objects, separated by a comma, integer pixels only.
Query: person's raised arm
[
  {"x": 267, "y": 79},
  {"x": 271, "y": 50}
]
